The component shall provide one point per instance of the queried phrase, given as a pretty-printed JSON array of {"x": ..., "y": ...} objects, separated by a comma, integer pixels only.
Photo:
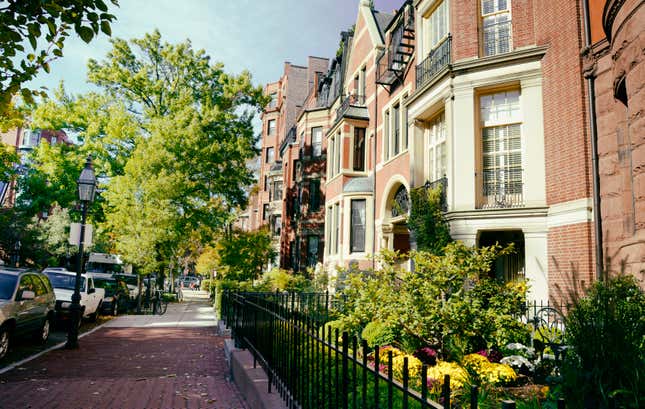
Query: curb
[
  {"x": 43, "y": 352},
  {"x": 250, "y": 379}
]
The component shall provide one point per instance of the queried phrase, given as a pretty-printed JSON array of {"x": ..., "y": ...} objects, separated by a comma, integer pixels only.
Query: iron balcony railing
[
  {"x": 435, "y": 62},
  {"x": 350, "y": 101},
  {"x": 502, "y": 188},
  {"x": 443, "y": 185}
]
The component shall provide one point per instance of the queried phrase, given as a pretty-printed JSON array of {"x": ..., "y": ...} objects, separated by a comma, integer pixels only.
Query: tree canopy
[
  {"x": 171, "y": 134},
  {"x": 44, "y": 25}
]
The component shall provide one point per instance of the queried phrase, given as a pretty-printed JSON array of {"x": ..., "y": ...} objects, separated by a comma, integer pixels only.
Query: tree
[
  {"x": 33, "y": 20},
  {"x": 448, "y": 302},
  {"x": 8, "y": 161},
  {"x": 181, "y": 165},
  {"x": 244, "y": 254}
]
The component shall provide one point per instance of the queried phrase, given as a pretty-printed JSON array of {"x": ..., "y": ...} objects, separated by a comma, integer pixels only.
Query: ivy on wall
[{"x": 426, "y": 220}]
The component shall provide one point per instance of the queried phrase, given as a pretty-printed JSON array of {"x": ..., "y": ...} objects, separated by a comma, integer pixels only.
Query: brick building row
[{"x": 493, "y": 100}]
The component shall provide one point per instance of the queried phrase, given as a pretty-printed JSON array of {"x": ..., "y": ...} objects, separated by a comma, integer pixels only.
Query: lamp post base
[{"x": 74, "y": 324}]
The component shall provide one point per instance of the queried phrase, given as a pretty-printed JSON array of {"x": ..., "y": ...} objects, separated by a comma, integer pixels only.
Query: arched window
[{"x": 401, "y": 202}]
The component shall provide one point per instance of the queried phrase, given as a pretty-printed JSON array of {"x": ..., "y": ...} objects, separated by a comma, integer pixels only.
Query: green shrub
[
  {"x": 206, "y": 285},
  {"x": 607, "y": 332},
  {"x": 378, "y": 333},
  {"x": 170, "y": 297}
]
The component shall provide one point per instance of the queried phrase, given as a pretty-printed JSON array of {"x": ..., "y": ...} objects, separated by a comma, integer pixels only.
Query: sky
[{"x": 256, "y": 35}]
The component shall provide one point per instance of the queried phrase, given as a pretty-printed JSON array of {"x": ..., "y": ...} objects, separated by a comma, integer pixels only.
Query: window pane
[
  {"x": 357, "y": 235},
  {"x": 316, "y": 141},
  {"x": 359, "y": 149}
]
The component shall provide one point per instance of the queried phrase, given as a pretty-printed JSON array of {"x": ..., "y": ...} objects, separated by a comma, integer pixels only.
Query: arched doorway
[{"x": 396, "y": 235}]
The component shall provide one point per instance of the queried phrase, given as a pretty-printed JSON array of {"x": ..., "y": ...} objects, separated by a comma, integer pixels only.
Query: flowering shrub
[
  {"x": 458, "y": 375},
  {"x": 427, "y": 355},
  {"x": 414, "y": 367},
  {"x": 492, "y": 355},
  {"x": 488, "y": 372}
]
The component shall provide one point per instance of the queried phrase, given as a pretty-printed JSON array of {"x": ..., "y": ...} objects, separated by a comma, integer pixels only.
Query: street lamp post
[
  {"x": 16, "y": 253},
  {"x": 86, "y": 189}
]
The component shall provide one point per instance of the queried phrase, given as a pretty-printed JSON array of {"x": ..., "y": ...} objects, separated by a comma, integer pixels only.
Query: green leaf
[
  {"x": 46, "y": 67},
  {"x": 85, "y": 33},
  {"x": 101, "y": 5},
  {"x": 105, "y": 28},
  {"x": 32, "y": 41},
  {"x": 57, "y": 52}
]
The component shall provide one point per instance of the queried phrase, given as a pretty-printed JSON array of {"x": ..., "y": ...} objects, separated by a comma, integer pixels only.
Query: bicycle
[{"x": 155, "y": 305}]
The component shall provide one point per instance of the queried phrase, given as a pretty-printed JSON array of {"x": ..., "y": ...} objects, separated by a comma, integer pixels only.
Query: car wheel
[
  {"x": 4, "y": 341},
  {"x": 43, "y": 333}
]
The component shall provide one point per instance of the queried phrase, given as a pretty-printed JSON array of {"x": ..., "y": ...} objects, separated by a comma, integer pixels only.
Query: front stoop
[{"x": 252, "y": 382}]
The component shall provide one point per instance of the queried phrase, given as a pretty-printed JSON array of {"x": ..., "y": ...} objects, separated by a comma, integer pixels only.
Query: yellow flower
[
  {"x": 489, "y": 372},
  {"x": 458, "y": 375},
  {"x": 414, "y": 367}
]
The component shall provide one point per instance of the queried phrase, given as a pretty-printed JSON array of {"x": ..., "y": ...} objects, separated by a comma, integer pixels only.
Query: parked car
[
  {"x": 27, "y": 303},
  {"x": 91, "y": 297},
  {"x": 117, "y": 294}
]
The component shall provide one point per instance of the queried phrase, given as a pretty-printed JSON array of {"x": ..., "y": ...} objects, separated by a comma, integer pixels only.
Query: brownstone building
[{"x": 615, "y": 70}]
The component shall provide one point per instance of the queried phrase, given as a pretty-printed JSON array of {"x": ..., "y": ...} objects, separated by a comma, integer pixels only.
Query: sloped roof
[{"x": 382, "y": 21}]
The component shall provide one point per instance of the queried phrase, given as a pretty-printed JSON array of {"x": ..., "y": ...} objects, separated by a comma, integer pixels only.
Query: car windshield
[
  {"x": 7, "y": 285},
  {"x": 64, "y": 281},
  {"x": 109, "y": 285}
]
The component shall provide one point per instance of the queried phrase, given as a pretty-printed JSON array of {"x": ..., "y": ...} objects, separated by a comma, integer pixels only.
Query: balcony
[
  {"x": 443, "y": 185},
  {"x": 391, "y": 64},
  {"x": 435, "y": 63},
  {"x": 353, "y": 106},
  {"x": 502, "y": 188}
]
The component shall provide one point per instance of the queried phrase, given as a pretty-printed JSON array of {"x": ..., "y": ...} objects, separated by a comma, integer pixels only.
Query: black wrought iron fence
[{"x": 312, "y": 366}]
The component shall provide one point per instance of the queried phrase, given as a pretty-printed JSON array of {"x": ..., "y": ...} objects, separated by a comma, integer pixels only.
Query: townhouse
[{"x": 490, "y": 100}]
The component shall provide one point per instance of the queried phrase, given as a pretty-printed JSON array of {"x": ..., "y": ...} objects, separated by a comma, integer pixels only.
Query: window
[
  {"x": 265, "y": 211},
  {"x": 437, "y": 147},
  {"x": 276, "y": 193},
  {"x": 338, "y": 157},
  {"x": 266, "y": 184},
  {"x": 312, "y": 250},
  {"x": 274, "y": 100},
  {"x": 270, "y": 155},
  {"x": 496, "y": 27},
  {"x": 314, "y": 195},
  {"x": 336, "y": 226},
  {"x": 328, "y": 222},
  {"x": 361, "y": 83},
  {"x": 396, "y": 128},
  {"x": 435, "y": 27},
  {"x": 359, "y": 149},
  {"x": 316, "y": 141},
  {"x": 386, "y": 136},
  {"x": 404, "y": 130},
  {"x": 276, "y": 226},
  {"x": 357, "y": 232},
  {"x": 501, "y": 149},
  {"x": 332, "y": 156},
  {"x": 271, "y": 127}
]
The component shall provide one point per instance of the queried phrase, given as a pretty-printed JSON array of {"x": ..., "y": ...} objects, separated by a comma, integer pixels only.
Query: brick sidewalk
[{"x": 127, "y": 368}]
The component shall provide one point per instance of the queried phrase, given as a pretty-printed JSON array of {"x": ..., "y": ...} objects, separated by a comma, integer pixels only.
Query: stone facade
[{"x": 615, "y": 62}]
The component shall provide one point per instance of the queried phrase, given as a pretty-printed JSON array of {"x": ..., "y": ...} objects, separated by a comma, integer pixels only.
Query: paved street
[{"x": 170, "y": 361}]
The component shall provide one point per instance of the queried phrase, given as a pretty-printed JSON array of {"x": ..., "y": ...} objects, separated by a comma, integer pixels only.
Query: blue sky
[{"x": 258, "y": 35}]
